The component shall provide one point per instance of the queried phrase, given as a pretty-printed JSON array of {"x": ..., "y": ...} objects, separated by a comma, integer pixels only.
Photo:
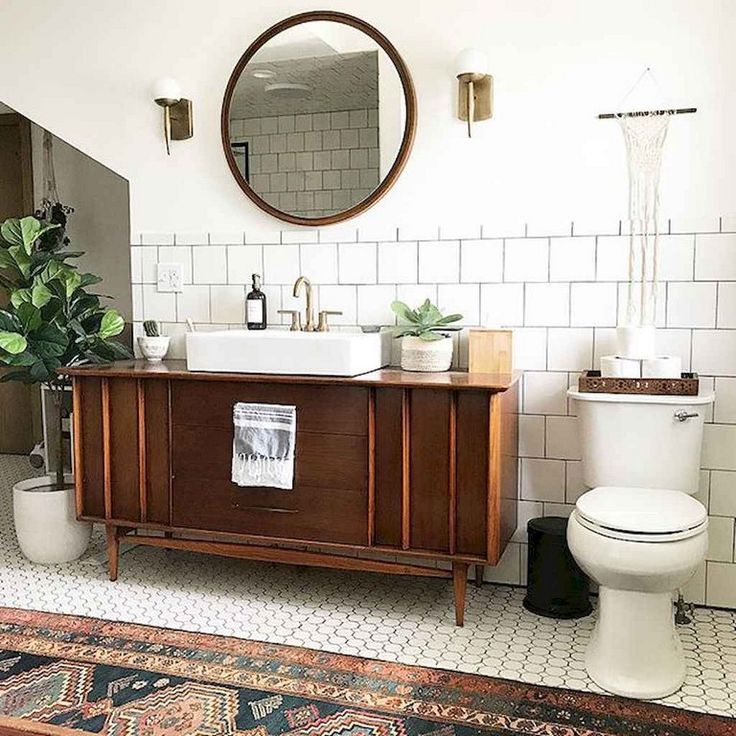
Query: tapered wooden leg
[
  {"x": 460, "y": 584},
  {"x": 478, "y": 575},
  {"x": 113, "y": 551}
]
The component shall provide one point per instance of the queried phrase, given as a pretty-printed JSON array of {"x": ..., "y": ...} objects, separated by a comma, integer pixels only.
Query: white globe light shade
[
  {"x": 166, "y": 88},
  {"x": 471, "y": 61}
]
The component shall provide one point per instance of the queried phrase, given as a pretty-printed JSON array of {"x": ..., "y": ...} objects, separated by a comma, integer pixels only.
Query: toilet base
[{"x": 635, "y": 650}]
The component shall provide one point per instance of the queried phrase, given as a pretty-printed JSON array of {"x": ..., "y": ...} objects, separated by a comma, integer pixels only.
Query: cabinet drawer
[
  {"x": 329, "y": 501},
  {"x": 322, "y": 460},
  {"x": 325, "y": 409},
  {"x": 305, "y": 513}
]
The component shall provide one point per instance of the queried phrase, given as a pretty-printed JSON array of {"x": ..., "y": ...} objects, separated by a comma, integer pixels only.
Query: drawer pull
[{"x": 272, "y": 509}]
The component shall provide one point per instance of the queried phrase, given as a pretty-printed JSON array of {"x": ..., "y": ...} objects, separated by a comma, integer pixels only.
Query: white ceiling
[{"x": 336, "y": 82}]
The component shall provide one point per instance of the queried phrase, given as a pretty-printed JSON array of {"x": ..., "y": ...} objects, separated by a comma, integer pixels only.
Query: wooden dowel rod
[{"x": 642, "y": 113}]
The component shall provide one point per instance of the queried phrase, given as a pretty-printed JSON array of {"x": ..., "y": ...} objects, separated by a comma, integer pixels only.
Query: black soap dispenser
[{"x": 255, "y": 306}]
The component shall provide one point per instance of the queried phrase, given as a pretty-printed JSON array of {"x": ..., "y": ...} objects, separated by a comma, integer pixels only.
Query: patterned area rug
[{"x": 66, "y": 674}]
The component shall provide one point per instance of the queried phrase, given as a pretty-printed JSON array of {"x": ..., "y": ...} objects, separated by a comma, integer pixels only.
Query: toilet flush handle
[{"x": 681, "y": 415}]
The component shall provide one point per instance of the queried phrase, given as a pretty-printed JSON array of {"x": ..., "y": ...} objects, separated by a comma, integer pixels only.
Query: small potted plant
[
  {"x": 50, "y": 321},
  {"x": 425, "y": 343},
  {"x": 153, "y": 344}
]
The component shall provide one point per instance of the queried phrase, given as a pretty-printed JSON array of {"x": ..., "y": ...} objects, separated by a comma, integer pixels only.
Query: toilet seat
[{"x": 641, "y": 514}]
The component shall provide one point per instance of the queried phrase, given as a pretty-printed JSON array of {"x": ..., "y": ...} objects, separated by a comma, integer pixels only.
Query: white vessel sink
[{"x": 290, "y": 353}]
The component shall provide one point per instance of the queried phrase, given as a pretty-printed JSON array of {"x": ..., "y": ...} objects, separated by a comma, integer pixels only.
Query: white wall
[{"x": 86, "y": 69}]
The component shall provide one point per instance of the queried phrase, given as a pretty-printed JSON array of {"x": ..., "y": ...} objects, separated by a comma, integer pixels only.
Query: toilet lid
[{"x": 641, "y": 510}]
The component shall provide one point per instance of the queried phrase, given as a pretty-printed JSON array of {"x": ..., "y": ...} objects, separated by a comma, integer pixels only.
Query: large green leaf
[
  {"x": 22, "y": 376},
  {"x": 40, "y": 295},
  {"x": 20, "y": 296},
  {"x": 6, "y": 260},
  {"x": 11, "y": 231},
  {"x": 12, "y": 342},
  {"x": 89, "y": 279},
  {"x": 41, "y": 372},
  {"x": 24, "y": 232},
  {"x": 51, "y": 270},
  {"x": 71, "y": 280},
  {"x": 404, "y": 312},
  {"x": 22, "y": 260},
  {"x": 9, "y": 322},
  {"x": 112, "y": 324},
  {"x": 30, "y": 317},
  {"x": 103, "y": 352},
  {"x": 21, "y": 359},
  {"x": 48, "y": 342}
]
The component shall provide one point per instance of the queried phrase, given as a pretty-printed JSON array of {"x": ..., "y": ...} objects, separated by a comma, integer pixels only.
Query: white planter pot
[
  {"x": 426, "y": 356},
  {"x": 45, "y": 522},
  {"x": 154, "y": 349}
]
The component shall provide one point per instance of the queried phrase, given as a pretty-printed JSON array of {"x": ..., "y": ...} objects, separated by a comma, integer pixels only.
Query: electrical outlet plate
[{"x": 169, "y": 277}]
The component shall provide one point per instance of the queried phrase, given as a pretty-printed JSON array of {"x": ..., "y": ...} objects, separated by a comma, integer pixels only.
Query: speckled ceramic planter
[{"x": 426, "y": 356}]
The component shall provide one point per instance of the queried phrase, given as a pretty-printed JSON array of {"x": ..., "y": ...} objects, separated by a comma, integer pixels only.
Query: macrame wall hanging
[{"x": 644, "y": 134}]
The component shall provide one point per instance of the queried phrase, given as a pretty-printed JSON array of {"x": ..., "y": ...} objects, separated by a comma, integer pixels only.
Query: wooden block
[{"x": 490, "y": 351}]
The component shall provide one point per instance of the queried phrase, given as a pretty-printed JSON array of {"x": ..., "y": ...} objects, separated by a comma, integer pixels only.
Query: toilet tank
[{"x": 638, "y": 440}]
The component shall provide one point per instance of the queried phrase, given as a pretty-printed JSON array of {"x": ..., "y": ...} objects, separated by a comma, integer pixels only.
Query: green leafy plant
[
  {"x": 51, "y": 320},
  {"x": 425, "y": 322}
]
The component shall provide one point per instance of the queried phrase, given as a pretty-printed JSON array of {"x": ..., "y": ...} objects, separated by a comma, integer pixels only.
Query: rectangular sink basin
[{"x": 288, "y": 353}]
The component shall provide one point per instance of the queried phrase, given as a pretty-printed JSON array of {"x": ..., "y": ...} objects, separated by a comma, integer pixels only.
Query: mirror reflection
[{"x": 317, "y": 119}]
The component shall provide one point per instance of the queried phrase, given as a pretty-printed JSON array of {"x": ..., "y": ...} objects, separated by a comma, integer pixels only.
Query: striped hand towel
[{"x": 263, "y": 445}]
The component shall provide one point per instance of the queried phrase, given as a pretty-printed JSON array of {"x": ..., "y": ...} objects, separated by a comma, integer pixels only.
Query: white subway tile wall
[
  {"x": 559, "y": 285},
  {"x": 309, "y": 165}
]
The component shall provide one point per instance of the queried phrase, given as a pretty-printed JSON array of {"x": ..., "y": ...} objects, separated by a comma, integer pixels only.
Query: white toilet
[{"x": 639, "y": 533}]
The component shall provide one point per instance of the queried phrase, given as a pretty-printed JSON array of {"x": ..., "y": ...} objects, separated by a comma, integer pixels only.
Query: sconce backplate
[
  {"x": 483, "y": 98},
  {"x": 182, "y": 125}
]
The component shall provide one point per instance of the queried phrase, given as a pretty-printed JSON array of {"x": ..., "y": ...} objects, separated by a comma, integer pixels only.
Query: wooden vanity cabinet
[{"x": 418, "y": 468}]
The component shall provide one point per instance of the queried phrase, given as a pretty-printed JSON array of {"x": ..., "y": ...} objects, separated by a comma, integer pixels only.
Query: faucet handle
[
  {"x": 296, "y": 319},
  {"x": 323, "y": 324}
]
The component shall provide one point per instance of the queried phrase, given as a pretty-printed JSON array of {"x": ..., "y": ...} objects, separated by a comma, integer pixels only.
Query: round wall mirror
[{"x": 318, "y": 118}]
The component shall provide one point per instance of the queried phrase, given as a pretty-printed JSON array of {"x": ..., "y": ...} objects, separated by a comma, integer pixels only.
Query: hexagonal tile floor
[{"x": 408, "y": 620}]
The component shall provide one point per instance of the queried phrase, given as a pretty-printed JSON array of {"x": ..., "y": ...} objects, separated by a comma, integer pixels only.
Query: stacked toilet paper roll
[
  {"x": 612, "y": 366},
  {"x": 666, "y": 366},
  {"x": 637, "y": 342}
]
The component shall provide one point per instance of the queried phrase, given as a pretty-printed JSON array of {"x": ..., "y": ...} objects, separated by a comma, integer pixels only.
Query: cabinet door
[
  {"x": 122, "y": 438},
  {"x": 329, "y": 500},
  {"x": 433, "y": 471}
]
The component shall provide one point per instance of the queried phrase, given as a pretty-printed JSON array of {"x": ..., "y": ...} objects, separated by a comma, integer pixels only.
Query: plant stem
[{"x": 57, "y": 395}]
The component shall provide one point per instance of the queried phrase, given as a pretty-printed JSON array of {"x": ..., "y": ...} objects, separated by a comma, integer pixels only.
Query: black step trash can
[{"x": 556, "y": 586}]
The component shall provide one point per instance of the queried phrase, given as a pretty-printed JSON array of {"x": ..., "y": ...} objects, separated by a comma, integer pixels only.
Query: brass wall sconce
[
  {"x": 475, "y": 87},
  {"x": 178, "y": 124}
]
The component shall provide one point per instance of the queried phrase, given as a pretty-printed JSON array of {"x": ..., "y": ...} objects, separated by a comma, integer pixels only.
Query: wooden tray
[{"x": 593, "y": 382}]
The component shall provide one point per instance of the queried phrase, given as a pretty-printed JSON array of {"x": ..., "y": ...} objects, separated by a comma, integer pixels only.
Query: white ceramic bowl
[{"x": 154, "y": 349}]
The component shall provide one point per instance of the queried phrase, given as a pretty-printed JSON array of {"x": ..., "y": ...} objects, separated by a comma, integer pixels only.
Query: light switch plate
[{"x": 169, "y": 277}]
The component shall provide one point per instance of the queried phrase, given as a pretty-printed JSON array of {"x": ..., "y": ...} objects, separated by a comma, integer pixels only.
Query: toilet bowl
[
  {"x": 638, "y": 533},
  {"x": 639, "y": 545}
]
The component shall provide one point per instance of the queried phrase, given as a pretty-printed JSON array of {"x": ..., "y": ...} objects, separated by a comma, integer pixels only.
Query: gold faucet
[{"x": 309, "y": 325}]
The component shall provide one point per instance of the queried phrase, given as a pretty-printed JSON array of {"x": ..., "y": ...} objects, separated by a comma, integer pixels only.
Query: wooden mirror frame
[{"x": 409, "y": 129}]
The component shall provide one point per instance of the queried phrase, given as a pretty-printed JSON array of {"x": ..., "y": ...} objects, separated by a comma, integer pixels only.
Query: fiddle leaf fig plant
[
  {"x": 425, "y": 322},
  {"x": 51, "y": 320}
]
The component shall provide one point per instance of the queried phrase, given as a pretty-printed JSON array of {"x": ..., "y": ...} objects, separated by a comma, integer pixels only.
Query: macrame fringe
[{"x": 644, "y": 137}]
